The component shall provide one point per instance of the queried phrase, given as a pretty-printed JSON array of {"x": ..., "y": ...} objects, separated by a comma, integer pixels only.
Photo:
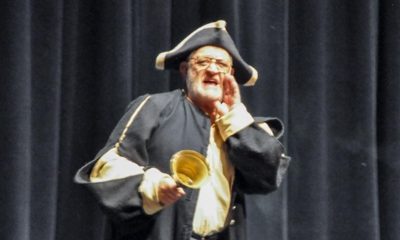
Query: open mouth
[{"x": 211, "y": 81}]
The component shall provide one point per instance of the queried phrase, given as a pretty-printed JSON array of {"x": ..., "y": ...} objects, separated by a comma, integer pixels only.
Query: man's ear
[{"x": 183, "y": 68}]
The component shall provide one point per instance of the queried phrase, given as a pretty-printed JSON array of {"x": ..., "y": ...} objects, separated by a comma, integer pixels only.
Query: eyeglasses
[{"x": 202, "y": 63}]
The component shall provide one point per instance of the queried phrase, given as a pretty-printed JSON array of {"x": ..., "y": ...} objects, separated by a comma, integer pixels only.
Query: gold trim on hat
[
  {"x": 254, "y": 76},
  {"x": 160, "y": 60}
]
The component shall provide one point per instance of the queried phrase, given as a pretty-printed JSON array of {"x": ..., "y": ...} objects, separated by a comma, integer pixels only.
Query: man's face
[{"x": 207, "y": 67}]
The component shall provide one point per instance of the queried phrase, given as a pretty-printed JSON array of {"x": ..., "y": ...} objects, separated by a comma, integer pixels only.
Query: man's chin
[
  {"x": 209, "y": 95},
  {"x": 212, "y": 97},
  {"x": 212, "y": 94}
]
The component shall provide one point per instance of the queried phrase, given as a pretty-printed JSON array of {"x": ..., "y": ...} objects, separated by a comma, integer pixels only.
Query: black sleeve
[{"x": 258, "y": 158}]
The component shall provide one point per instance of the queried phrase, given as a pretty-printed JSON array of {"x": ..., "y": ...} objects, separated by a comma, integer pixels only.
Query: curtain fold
[
  {"x": 333, "y": 66},
  {"x": 388, "y": 115},
  {"x": 329, "y": 69},
  {"x": 16, "y": 117}
]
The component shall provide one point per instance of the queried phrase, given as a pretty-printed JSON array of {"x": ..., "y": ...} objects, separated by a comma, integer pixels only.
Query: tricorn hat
[{"x": 213, "y": 34}]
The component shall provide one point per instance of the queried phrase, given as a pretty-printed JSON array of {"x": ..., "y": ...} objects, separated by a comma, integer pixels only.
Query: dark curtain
[{"x": 328, "y": 68}]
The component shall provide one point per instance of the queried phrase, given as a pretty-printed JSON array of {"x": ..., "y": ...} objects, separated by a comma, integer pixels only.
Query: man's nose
[{"x": 212, "y": 68}]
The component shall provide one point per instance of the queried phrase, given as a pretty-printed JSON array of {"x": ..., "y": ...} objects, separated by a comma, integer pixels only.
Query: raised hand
[{"x": 231, "y": 96}]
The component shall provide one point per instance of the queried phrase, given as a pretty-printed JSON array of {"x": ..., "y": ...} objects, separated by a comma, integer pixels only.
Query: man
[{"x": 131, "y": 175}]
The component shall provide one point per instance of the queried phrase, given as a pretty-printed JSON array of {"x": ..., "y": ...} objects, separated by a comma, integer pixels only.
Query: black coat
[{"x": 167, "y": 123}]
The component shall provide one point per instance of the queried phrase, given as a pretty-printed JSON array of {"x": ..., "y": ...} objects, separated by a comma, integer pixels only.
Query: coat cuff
[
  {"x": 112, "y": 166},
  {"x": 148, "y": 190},
  {"x": 234, "y": 121}
]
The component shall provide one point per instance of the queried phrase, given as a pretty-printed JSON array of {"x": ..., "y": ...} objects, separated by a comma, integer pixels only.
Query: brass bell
[{"x": 189, "y": 168}]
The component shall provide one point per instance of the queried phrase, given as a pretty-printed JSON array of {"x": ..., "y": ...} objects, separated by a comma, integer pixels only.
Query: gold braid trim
[{"x": 123, "y": 135}]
